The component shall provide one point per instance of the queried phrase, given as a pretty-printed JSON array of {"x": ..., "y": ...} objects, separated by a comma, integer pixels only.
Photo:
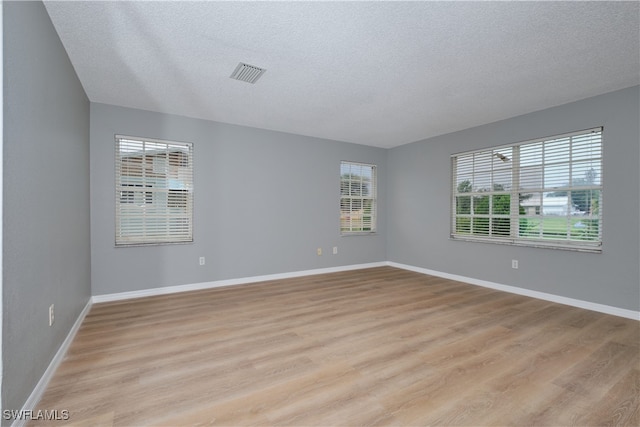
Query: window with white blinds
[
  {"x": 154, "y": 191},
  {"x": 546, "y": 192},
  {"x": 357, "y": 198}
]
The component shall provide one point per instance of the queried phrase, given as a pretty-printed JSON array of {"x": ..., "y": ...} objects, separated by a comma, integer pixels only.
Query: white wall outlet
[
  {"x": 51, "y": 315},
  {"x": 335, "y": 250},
  {"x": 201, "y": 260},
  {"x": 514, "y": 263},
  {"x": 319, "y": 251}
]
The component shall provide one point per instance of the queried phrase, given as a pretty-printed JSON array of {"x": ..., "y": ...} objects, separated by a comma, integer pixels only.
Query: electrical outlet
[
  {"x": 201, "y": 260},
  {"x": 514, "y": 263},
  {"x": 335, "y": 250},
  {"x": 319, "y": 251},
  {"x": 51, "y": 315}
]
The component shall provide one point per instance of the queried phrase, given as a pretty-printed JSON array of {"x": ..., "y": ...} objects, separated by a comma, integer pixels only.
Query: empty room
[{"x": 320, "y": 213}]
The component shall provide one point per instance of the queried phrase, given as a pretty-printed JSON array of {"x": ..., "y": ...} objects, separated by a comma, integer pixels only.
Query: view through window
[
  {"x": 154, "y": 191},
  {"x": 357, "y": 198},
  {"x": 545, "y": 192}
]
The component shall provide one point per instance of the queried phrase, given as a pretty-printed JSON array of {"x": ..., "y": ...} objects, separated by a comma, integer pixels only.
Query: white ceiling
[{"x": 374, "y": 73}]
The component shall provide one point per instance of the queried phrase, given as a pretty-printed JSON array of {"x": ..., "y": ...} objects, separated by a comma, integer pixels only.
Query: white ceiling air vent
[{"x": 247, "y": 73}]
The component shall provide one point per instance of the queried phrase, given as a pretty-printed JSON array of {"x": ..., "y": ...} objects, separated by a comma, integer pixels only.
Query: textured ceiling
[{"x": 374, "y": 73}]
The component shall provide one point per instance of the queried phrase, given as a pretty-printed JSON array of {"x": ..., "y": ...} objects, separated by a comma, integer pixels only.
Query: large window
[
  {"x": 357, "y": 198},
  {"x": 154, "y": 191},
  {"x": 545, "y": 192}
]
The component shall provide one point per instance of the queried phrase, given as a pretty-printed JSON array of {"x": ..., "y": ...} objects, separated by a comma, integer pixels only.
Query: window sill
[
  {"x": 533, "y": 244},
  {"x": 358, "y": 233},
  {"x": 137, "y": 245}
]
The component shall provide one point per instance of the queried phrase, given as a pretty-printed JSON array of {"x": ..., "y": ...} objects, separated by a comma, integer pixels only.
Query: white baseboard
[
  {"x": 35, "y": 396},
  {"x": 39, "y": 389},
  {"x": 229, "y": 282},
  {"x": 602, "y": 308}
]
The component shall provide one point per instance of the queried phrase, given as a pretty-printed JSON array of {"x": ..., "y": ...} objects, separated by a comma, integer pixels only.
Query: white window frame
[
  {"x": 153, "y": 191},
  {"x": 494, "y": 192},
  {"x": 358, "y": 211}
]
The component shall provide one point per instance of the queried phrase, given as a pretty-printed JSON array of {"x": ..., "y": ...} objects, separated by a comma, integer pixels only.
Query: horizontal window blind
[
  {"x": 546, "y": 192},
  {"x": 358, "y": 193},
  {"x": 154, "y": 191}
]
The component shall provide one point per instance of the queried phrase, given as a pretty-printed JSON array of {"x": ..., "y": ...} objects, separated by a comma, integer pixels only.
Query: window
[
  {"x": 154, "y": 191},
  {"x": 546, "y": 192},
  {"x": 357, "y": 198}
]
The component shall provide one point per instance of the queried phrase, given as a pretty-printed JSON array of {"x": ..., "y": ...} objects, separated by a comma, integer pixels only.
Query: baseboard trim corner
[
  {"x": 601, "y": 308},
  {"x": 96, "y": 299},
  {"x": 38, "y": 391}
]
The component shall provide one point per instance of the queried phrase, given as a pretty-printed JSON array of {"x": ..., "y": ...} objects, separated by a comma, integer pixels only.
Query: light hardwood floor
[{"x": 381, "y": 346}]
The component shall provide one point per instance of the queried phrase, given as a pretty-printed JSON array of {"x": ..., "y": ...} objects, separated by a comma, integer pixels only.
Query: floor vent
[{"x": 247, "y": 73}]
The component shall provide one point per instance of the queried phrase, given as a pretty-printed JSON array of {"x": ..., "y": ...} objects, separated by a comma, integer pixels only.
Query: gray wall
[
  {"x": 418, "y": 189},
  {"x": 46, "y": 197},
  {"x": 264, "y": 201}
]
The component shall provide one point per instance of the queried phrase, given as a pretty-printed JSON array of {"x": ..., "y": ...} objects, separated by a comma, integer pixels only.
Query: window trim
[
  {"x": 188, "y": 215},
  {"x": 514, "y": 238},
  {"x": 374, "y": 198}
]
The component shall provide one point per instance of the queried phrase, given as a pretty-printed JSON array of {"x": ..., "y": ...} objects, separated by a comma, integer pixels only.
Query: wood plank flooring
[{"x": 381, "y": 346}]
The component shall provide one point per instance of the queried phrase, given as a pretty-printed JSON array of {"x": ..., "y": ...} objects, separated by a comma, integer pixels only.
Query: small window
[
  {"x": 545, "y": 192},
  {"x": 357, "y": 198},
  {"x": 154, "y": 191}
]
